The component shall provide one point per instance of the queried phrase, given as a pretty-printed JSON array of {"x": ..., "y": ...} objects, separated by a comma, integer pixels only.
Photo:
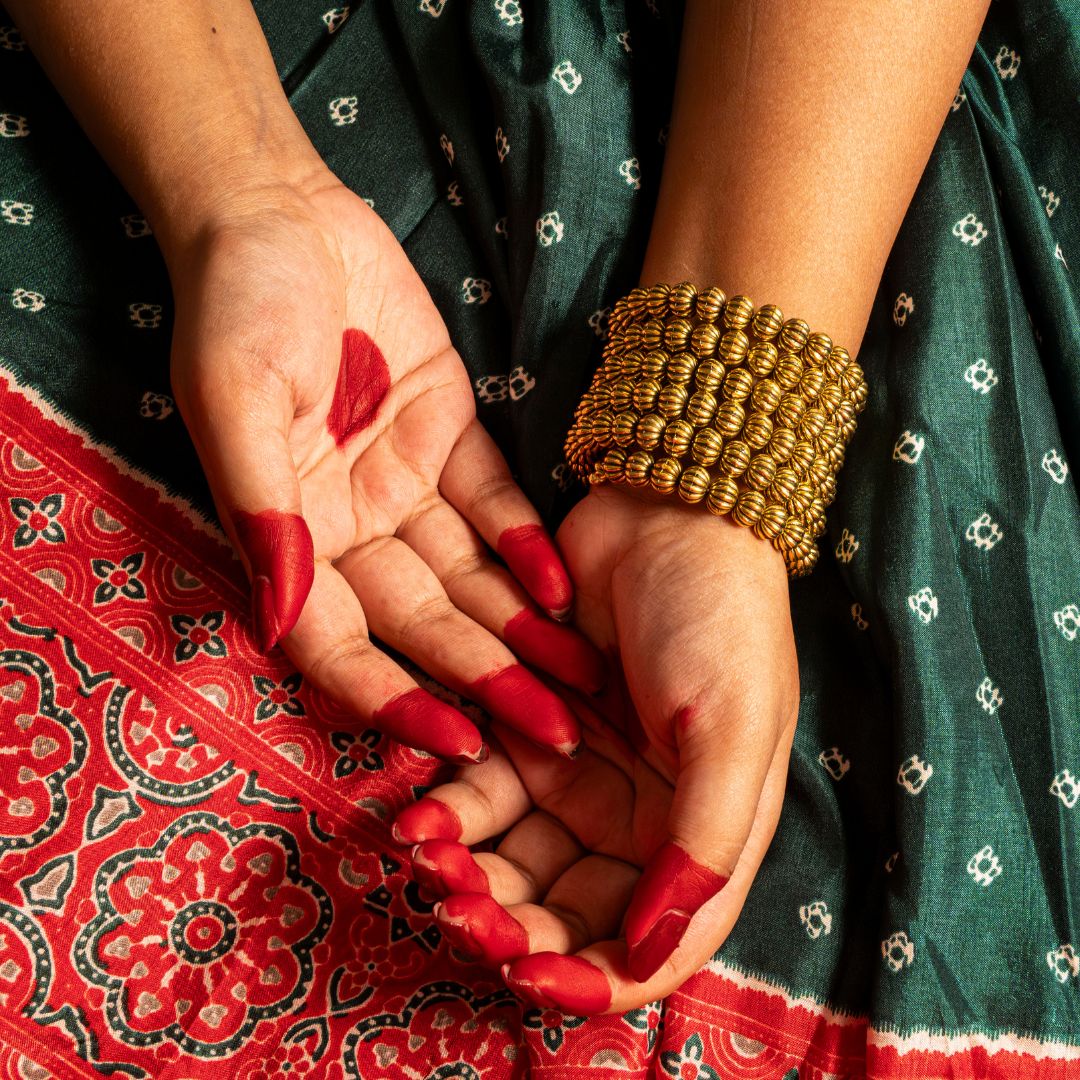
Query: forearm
[
  {"x": 181, "y": 98},
  {"x": 797, "y": 141}
]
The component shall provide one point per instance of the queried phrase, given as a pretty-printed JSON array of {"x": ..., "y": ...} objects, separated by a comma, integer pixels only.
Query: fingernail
[
  {"x": 553, "y": 981},
  {"x": 476, "y": 924},
  {"x": 531, "y": 556},
  {"x": 446, "y": 866},
  {"x": 420, "y": 719},
  {"x": 279, "y": 549},
  {"x": 519, "y": 699},
  {"x": 559, "y": 650},
  {"x": 562, "y": 615},
  {"x": 472, "y": 759},
  {"x": 672, "y": 888},
  {"x": 436, "y": 908},
  {"x": 427, "y": 819}
]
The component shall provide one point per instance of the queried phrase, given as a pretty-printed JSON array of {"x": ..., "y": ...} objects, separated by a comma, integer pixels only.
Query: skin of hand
[{"x": 683, "y": 775}]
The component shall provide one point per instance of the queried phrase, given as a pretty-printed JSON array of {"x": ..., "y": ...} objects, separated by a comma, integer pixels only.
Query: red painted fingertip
[
  {"x": 671, "y": 889},
  {"x": 282, "y": 558},
  {"x": 476, "y": 924},
  {"x": 421, "y": 720},
  {"x": 534, "y": 560},
  {"x": 520, "y": 700},
  {"x": 427, "y": 819},
  {"x": 559, "y": 650},
  {"x": 553, "y": 981},
  {"x": 446, "y": 866}
]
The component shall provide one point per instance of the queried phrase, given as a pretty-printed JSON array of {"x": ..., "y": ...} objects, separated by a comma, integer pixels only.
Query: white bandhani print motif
[
  {"x": 343, "y": 111},
  {"x": 630, "y": 171},
  {"x": 989, "y": 696},
  {"x": 984, "y": 866},
  {"x": 983, "y": 532},
  {"x": 816, "y": 919},
  {"x": 567, "y": 76},
  {"x": 475, "y": 290},
  {"x": 335, "y": 18},
  {"x": 903, "y": 306},
  {"x": 846, "y": 548},
  {"x": 958, "y": 100},
  {"x": 924, "y": 603},
  {"x": 453, "y": 194},
  {"x": 16, "y": 213},
  {"x": 549, "y": 229},
  {"x": 970, "y": 230},
  {"x": 1064, "y": 963},
  {"x": 914, "y": 774},
  {"x": 834, "y": 763},
  {"x": 898, "y": 951},
  {"x": 13, "y": 126},
  {"x": 980, "y": 376},
  {"x": 1007, "y": 63},
  {"x": 155, "y": 406},
  {"x": 447, "y": 148},
  {"x": 509, "y": 11},
  {"x": 624, "y": 41},
  {"x": 857, "y": 617},
  {"x": 1066, "y": 787},
  {"x": 1052, "y": 201},
  {"x": 434, "y": 8},
  {"x": 598, "y": 321},
  {"x": 11, "y": 39},
  {"x": 26, "y": 300},
  {"x": 909, "y": 447},
  {"x": 502, "y": 144},
  {"x": 135, "y": 226},
  {"x": 495, "y": 388},
  {"x": 890, "y": 862},
  {"x": 1067, "y": 620},
  {"x": 145, "y": 316},
  {"x": 1054, "y": 466}
]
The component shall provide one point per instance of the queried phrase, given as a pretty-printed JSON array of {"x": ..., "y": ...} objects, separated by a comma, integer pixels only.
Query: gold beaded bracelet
[{"x": 726, "y": 404}]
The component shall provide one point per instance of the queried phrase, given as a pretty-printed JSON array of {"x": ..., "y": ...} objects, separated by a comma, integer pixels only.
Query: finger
[
  {"x": 572, "y": 984},
  {"x": 330, "y": 645},
  {"x": 249, "y": 466},
  {"x": 477, "y": 481},
  {"x": 407, "y": 607},
  {"x": 493, "y": 597}
]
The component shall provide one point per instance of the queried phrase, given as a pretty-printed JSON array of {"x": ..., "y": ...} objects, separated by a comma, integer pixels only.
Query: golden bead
[
  {"x": 628, "y": 365},
  {"x": 636, "y": 300},
  {"x": 790, "y": 410},
  {"x": 793, "y": 334},
  {"x": 637, "y": 467},
  {"x": 782, "y": 442},
  {"x": 767, "y": 322},
  {"x": 729, "y": 419},
  {"x": 737, "y": 384},
  {"x": 658, "y": 299},
  {"x": 771, "y": 521},
  {"x": 693, "y": 484},
  {"x": 749, "y": 507},
  {"x": 704, "y": 340},
  {"x": 664, "y": 475},
  {"x": 709, "y": 304},
  {"x": 757, "y": 430},
  {"x": 761, "y": 470},
  {"x": 792, "y": 532},
  {"x": 597, "y": 476},
  {"x": 802, "y": 453},
  {"x": 733, "y": 346},
  {"x": 701, "y": 408},
  {"x": 816, "y": 510},
  {"x": 816, "y": 350},
  {"x": 681, "y": 299},
  {"x": 828, "y": 489},
  {"x": 830, "y": 397},
  {"x": 652, "y": 367},
  {"x": 789, "y": 369},
  {"x": 652, "y": 334},
  {"x": 766, "y": 395},
  {"x": 850, "y": 379},
  {"x": 861, "y": 393},
  {"x": 599, "y": 398},
  {"x": 829, "y": 437},
  {"x": 601, "y": 424},
  {"x": 814, "y": 419},
  {"x": 761, "y": 358},
  {"x": 801, "y": 497},
  {"x": 709, "y": 375},
  {"x": 614, "y": 464},
  {"x": 622, "y": 395},
  {"x": 645, "y": 394},
  {"x": 649, "y": 431},
  {"x": 847, "y": 430},
  {"x": 812, "y": 383},
  {"x": 845, "y": 412},
  {"x": 738, "y": 312},
  {"x": 723, "y": 492},
  {"x": 819, "y": 470},
  {"x": 735, "y": 457},
  {"x": 837, "y": 362},
  {"x": 783, "y": 485},
  {"x": 622, "y": 430},
  {"x": 672, "y": 401},
  {"x": 677, "y": 334},
  {"x": 706, "y": 447},
  {"x": 680, "y": 368},
  {"x": 677, "y": 438},
  {"x": 632, "y": 337}
]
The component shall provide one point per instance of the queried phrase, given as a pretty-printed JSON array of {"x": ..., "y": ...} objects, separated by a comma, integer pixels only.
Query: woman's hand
[
  {"x": 337, "y": 427},
  {"x": 683, "y": 773}
]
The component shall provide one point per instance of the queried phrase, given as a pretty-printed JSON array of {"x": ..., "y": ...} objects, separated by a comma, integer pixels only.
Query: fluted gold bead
[
  {"x": 789, "y": 369},
  {"x": 627, "y": 365},
  {"x": 830, "y": 397},
  {"x": 792, "y": 532},
  {"x": 636, "y": 301},
  {"x": 671, "y": 401},
  {"x": 664, "y": 475},
  {"x": 816, "y": 350},
  {"x": 614, "y": 464},
  {"x": 693, "y": 484},
  {"x": 845, "y": 412},
  {"x": 812, "y": 383},
  {"x": 761, "y": 358},
  {"x": 645, "y": 394},
  {"x": 830, "y": 435},
  {"x": 721, "y": 496},
  {"x": 658, "y": 299},
  {"x": 735, "y": 457},
  {"x": 819, "y": 470},
  {"x": 783, "y": 485},
  {"x": 701, "y": 408},
  {"x": 793, "y": 334},
  {"x": 816, "y": 510},
  {"x": 649, "y": 431},
  {"x": 652, "y": 367},
  {"x": 677, "y": 438},
  {"x": 847, "y": 430},
  {"x": 767, "y": 323},
  {"x": 860, "y": 394},
  {"x": 706, "y": 447},
  {"x": 622, "y": 395},
  {"x": 850, "y": 379},
  {"x": 681, "y": 299},
  {"x": 837, "y": 362},
  {"x": 738, "y": 312},
  {"x": 704, "y": 340},
  {"x": 761, "y": 471},
  {"x": 771, "y": 521},
  {"x": 828, "y": 489},
  {"x": 677, "y": 334},
  {"x": 729, "y": 419},
  {"x": 801, "y": 497},
  {"x": 710, "y": 304},
  {"x": 802, "y": 453},
  {"x": 709, "y": 375},
  {"x": 757, "y": 430},
  {"x": 814, "y": 419},
  {"x": 632, "y": 337},
  {"x": 597, "y": 476},
  {"x": 637, "y": 467},
  {"x": 733, "y": 346},
  {"x": 737, "y": 384},
  {"x": 622, "y": 429},
  {"x": 766, "y": 395},
  {"x": 748, "y": 508},
  {"x": 652, "y": 334},
  {"x": 790, "y": 410},
  {"x": 782, "y": 443},
  {"x": 680, "y": 368}
]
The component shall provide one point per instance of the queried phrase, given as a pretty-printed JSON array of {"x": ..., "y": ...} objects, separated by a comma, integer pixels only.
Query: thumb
[{"x": 249, "y": 466}]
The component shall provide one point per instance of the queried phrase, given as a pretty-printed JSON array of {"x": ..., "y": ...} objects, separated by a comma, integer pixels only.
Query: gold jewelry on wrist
[{"x": 723, "y": 404}]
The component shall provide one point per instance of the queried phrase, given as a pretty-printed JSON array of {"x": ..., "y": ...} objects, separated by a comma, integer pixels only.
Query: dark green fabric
[{"x": 942, "y": 620}]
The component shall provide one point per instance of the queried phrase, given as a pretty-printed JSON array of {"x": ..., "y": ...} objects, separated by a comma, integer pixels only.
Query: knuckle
[{"x": 430, "y": 618}]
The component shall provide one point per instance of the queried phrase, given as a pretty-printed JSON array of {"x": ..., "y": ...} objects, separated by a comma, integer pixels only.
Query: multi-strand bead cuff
[{"x": 729, "y": 405}]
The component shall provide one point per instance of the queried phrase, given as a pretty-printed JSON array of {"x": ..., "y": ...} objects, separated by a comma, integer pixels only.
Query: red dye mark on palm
[{"x": 362, "y": 383}]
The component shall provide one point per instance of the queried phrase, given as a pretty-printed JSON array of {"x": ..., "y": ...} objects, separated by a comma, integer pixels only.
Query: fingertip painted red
[
  {"x": 553, "y": 981},
  {"x": 447, "y": 866},
  {"x": 476, "y": 924},
  {"x": 418, "y": 718},
  {"x": 427, "y": 819},
  {"x": 559, "y": 650}
]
